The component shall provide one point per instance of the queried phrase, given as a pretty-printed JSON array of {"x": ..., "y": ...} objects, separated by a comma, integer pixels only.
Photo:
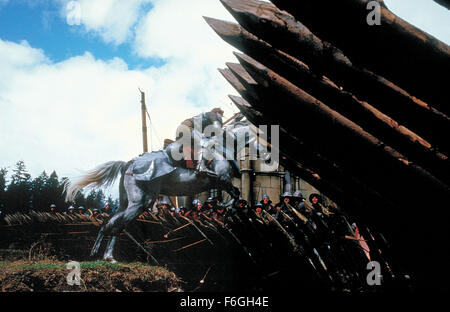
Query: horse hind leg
[
  {"x": 134, "y": 209},
  {"x": 101, "y": 234},
  {"x": 98, "y": 241}
]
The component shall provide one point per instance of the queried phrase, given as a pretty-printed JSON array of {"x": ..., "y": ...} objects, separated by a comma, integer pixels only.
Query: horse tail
[{"x": 104, "y": 175}]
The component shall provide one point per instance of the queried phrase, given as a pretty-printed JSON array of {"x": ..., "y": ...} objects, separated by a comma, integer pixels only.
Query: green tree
[
  {"x": 113, "y": 203},
  {"x": 19, "y": 190},
  {"x": 38, "y": 188},
  {"x": 95, "y": 199},
  {"x": 3, "y": 173}
]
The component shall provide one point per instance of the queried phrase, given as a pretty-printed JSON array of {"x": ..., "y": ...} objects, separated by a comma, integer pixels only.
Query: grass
[{"x": 62, "y": 265}]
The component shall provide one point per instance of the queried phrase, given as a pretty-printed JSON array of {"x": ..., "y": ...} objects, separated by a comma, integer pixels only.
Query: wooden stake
[{"x": 190, "y": 245}]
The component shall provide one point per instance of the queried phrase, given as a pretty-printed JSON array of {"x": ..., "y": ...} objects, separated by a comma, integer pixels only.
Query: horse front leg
[
  {"x": 97, "y": 243},
  {"x": 108, "y": 256}
]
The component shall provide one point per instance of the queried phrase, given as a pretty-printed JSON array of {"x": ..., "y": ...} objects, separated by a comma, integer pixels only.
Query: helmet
[
  {"x": 52, "y": 206},
  {"x": 81, "y": 208},
  {"x": 71, "y": 207},
  {"x": 298, "y": 194},
  {"x": 286, "y": 194},
  {"x": 265, "y": 196},
  {"x": 217, "y": 110},
  {"x": 164, "y": 201},
  {"x": 196, "y": 201},
  {"x": 241, "y": 200},
  {"x": 210, "y": 200},
  {"x": 258, "y": 205}
]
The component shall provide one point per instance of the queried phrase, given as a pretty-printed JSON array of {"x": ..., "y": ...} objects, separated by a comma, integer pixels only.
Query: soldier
[
  {"x": 52, "y": 209},
  {"x": 318, "y": 206},
  {"x": 96, "y": 214},
  {"x": 242, "y": 206},
  {"x": 164, "y": 205},
  {"x": 210, "y": 205},
  {"x": 197, "y": 207},
  {"x": 297, "y": 200},
  {"x": 285, "y": 199},
  {"x": 266, "y": 203},
  {"x": 314, "y": 199},
  {"x": 196, "y": 127},
  {"x": 184, "y": 211},
  {"x": 173, "y": 211},
  {"x": 219, "y": 215},
  {"x": 81, "y": 210},
  {"x": 107, "y": 211},
  {"x": 259, "y": 209},
  {"x": 70, "y": 210},
  {"x": 144, "y": 214}
]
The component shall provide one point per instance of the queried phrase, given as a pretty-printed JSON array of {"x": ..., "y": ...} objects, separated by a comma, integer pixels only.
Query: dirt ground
[{"x": 99, "y": 276}]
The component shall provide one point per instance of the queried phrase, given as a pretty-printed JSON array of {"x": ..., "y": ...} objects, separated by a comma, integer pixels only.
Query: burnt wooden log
[
  {"x": 379, "y": 166},
  {"x": 387, "y": 218},
  {"x": 310, "y": 111},
  {"x": 283, "y": 32},
  {"x": 444, "y": 3},
  {"x": 373, "y": 120},
  {"x": 314, "y": 168},
  {"x": 394, "y": 49}
]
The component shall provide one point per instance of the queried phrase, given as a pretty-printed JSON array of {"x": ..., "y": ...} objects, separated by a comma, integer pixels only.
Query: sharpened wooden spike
[
  {"x": 389, "y": 99},
  {"x": 444, "y": 3},
  {"x": 320, "y": 172},
  {"x": 228, "y": 75},
  {"x": 367, "y": 146},
  {"x": 375, "y": 121},
  {"x": 333, "y": 21}
]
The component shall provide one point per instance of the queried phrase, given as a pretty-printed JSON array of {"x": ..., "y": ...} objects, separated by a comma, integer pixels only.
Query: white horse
[{"x": 144, "y": 178}]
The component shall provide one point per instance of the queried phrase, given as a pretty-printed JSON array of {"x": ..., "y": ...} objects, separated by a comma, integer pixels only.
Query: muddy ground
[{"x": 99, "y": 276}]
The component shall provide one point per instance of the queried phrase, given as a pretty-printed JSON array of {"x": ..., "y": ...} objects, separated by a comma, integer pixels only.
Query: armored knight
[{"x": 196, "y": 126}]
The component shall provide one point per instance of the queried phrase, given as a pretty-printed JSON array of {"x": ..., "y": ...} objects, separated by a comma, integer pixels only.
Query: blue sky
[
  {"x": 69, "y": 96},
  {"x": 44, "y": 27}
]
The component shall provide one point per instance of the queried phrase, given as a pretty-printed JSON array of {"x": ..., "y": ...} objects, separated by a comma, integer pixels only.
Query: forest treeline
[{"x": 22, "y": 193}]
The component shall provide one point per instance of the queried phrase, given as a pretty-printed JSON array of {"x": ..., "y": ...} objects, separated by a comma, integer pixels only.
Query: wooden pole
[{"x": 144, "y": 123}]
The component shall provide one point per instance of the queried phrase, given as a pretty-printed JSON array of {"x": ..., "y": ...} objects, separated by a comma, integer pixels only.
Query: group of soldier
[
  {"x": 211, "y": 208},
  {"x": 95, "y": 213},
  {"x": 214, "y": 208}
]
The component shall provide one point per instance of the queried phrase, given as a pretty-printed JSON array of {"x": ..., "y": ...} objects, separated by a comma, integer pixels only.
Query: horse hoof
[{"x": 110, "y": 260}]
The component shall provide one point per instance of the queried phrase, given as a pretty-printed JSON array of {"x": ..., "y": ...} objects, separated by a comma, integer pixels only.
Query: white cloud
[
  {"x": 112, "y": 20},
  {"x": 70, "y": 115},
  {"x": 76, "y": 114}
]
